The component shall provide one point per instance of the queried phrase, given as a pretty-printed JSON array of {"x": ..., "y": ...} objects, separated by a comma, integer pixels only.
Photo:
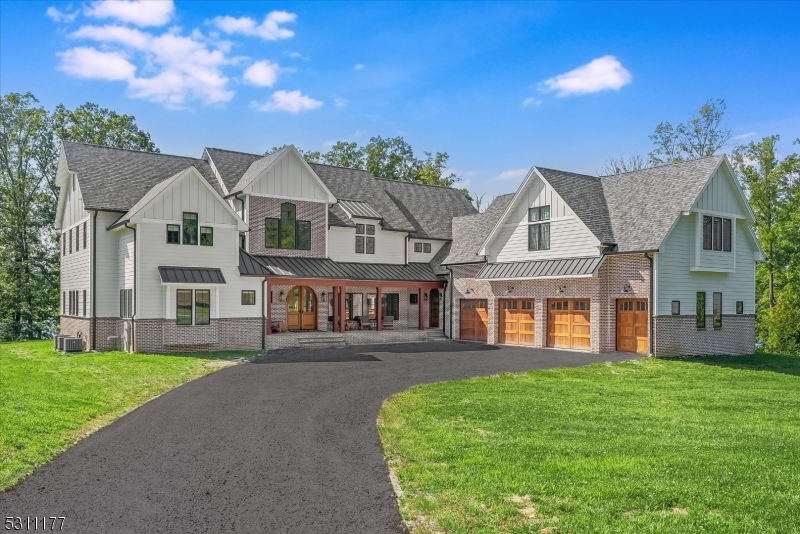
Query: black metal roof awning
[
  {"x": 525, "y": 270},
  {"x": 191, "y": 275}
]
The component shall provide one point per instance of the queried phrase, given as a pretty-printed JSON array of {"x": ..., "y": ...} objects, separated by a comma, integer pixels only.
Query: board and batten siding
[
  {"x": 188, "y": 195},
  {"x": 75, "y": 265},
  {"x": 289, "y": 178},
  {"x": 107, "y": 264},
  {"x": 74, "y": 211},
  {"x": 390, "y": 246},
  {"x": 569, "y": 237},
  {"x": 156, "y": 252},
  {"x": 719, "y": 195},
  {"x": 675, "y": 280},
  {"x": 422, "y": 257}
]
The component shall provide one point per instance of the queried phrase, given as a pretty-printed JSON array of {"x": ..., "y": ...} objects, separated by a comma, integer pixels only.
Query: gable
[
  {"x": 284, "y": 174},
  {"x": 722, "y": 194},
  {"x": 187, "y": 191}
]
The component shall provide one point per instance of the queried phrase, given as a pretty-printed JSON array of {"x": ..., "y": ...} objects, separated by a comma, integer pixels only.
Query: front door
[
  {"x": 301, "y": 309},
  {"x": 434, "y": 309},
  {"x": 516, "y": 321},
  {"x": 632, "y": 326}
]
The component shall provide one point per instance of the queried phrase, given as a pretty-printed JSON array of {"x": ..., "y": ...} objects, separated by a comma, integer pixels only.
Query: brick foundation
[
  {"x": 165, "y": 336},
  {"x": 678, "y": 335}
]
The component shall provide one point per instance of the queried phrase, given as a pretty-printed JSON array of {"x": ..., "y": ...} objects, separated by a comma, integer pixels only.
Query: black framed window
[
  {"x": 207, "y": 236},
  {"x": 717, "y": 309},
  {"x": 248, "y": 298},
  {"x": 359, "y": 244},
  {"x": 539, "y": 214},
  {"x": 426, "y": 248},
  {"x": 183, "y": 312},
  {"x": 717, "y": 233},
  {"x": 202, "y": 306},
  {"x": 370, "y": 229},
  {"x": 84, "y": 235},
  {"x": 726, "y": 235},
  {"x": 304, "y": 235},
  {"x": 364, "y": 243},
  {"x": 287, "y": 228},
  {"x": 70, "y": 240},
  {"x": 189, "y": 228},
  {"x": 370, "y": 245},
  {"x": 539, "y": 236},
  {"x": 708, "y": 232},
  {"x": 371, "y": 300},
  {"x": 413, "y": 298},
  {"x": 64, "y": 244},
  {"x": 360, "y": 229},
  {"x": 174, "y": 234},
  {"x": 701, "y": 309},
  {"x": 348, "y": 306},
  {"x": 84, "y": 303},
  {"x": 271, "y": 233},
  {"x": 676, "y": 307},
  {"x": 390, "y": 305},
  {"x": 739, "y": 307},
  {"x": 417, "y": 247}
]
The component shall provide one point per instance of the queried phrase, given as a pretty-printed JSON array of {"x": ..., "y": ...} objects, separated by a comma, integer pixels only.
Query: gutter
[
  {"x": 451, "y": 301},
  {"x": 135, "y": 296},
  {"x": 94, "y": 281},
  {"x": 649, "y": 256},
  {"x": 408, "y": 237}
]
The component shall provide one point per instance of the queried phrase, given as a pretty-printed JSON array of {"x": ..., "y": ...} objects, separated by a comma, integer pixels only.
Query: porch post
[
  {"x": 378, "y": 311},
  {"x": 342, "y": 316},
  {"x": 419, "y": 303},
  {"x": 335, "y": 306},
  {"x": 265, "y": 297}
]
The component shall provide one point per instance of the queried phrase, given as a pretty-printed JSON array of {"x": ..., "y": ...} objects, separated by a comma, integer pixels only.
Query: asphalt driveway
[{"x": 285, "y": 444}]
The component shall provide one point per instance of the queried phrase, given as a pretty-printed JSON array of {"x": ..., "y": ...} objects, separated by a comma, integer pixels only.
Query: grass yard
[
  {"x": 698, "y": 445},
  {"x": 48, "y": 401}
]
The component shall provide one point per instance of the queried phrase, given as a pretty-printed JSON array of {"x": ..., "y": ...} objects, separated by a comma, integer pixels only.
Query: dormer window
[
  {"x": 538, "y": 231},
  {"x": 717, "y": 233},
  {"x": 422, "y": 247},
  {"x": 364, "y": 243}
]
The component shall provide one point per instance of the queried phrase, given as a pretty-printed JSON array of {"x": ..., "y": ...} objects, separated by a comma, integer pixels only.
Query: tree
[
  {"x": 768, "y": 184},
  {"x": 432, "y": 169},
  {"x": 702, "y": 135},
  {"x": 344, "y": 154},
  {"x": 478, "y": 200},
  {"x": 614, "y": 165},
  {"x": 391, "y": 158}
]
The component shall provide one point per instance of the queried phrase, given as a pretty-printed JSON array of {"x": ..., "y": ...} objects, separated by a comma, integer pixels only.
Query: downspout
[
  {"x": 444, "y": 298},
  {"x": 135, "y": 296},
  {"x": 94, "y": 282},
  {"x": 236, "y": 196},
  {"x": 649, "y": 256},
  {"x": 263, "y": 314},
  {"x": 451, "y": 301},
  {"x": 407, "y": 238}
]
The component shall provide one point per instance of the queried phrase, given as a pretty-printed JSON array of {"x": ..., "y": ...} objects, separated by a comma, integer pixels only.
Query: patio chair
[
  {"x": 388, "y": 321},
  {"x": 364, "y": 322}
]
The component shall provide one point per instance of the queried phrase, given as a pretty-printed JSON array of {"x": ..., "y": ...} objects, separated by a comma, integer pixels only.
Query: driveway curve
[{"x": 287, "y": 443}]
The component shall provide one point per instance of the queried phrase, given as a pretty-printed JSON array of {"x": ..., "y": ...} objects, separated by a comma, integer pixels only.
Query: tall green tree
[
  {"x": 704, "y": 134},
  {"x": 768, "y": 184}
]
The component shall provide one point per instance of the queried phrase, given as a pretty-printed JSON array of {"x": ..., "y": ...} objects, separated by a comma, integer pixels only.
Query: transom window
[
  {"x": 717, "y": 233},
  {"x": 287, "y": 232},
  {"x": 364, "y": 243},
  {"x": 538, "y": 231}
]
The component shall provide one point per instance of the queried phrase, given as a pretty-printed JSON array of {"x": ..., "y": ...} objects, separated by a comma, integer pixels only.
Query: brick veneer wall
[
  {"x": 71, "y": 326},
  {"x": 678, "y": 335},
  {"x": 616, "y": 273},
  {"x": 278, "y": 307},
  {"x": 165, "y": 336},
  {"x": 263, "y": 207}
]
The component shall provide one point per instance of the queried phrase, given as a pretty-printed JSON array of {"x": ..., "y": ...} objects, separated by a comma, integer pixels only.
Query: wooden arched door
[{"x": 301, "y": 309}]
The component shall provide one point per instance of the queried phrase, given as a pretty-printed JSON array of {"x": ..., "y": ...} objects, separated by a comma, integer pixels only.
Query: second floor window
[
  {"x": 717, "y": 233},
  {"x": 174, "y": 234},
  {"x": 189, "y": 228},
  {"x": 287, "y": 232},
  {"x": 365, "y": 240},
  {"x": 538, "y": 231},
  {"x": 206, "y": 236}
]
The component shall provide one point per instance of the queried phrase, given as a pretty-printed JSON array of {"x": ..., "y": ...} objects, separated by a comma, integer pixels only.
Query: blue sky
[{"x": 499, "y": 86}]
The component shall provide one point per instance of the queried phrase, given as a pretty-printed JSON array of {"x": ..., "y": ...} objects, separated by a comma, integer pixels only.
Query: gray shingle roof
[
  {"x": 469, "y": 232},
  {"x": 643, "y": 205},
  {"x": 436, "y": 261},
  {"x": 430, "y": 209},
  {"x": 191, "y": 275},
  {"x": 231, "y": 165},
  {"x": 540, "y": 269},
  {"x": 114, "y": 179}
]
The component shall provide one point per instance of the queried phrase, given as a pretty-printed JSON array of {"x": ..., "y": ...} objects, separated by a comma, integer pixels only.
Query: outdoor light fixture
[
  {"x": 281, "y": 296},
  {"x": 627, "y": 288},
  {"x": 561, "y": 290},
  {"x": 323, "y": 295},
  {"x": 509, "y": 290}
]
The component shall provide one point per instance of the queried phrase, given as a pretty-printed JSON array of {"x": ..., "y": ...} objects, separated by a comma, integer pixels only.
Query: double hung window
[
  {"x": 365, "y": 238},
  {"x": 189, "y": 228},
  {"x": 538, "y": 229}
]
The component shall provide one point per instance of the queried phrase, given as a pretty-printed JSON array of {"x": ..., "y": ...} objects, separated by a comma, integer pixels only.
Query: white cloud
[
  {"x": 339, "y": 102},
  {"x": 530, "y": 101},
  {"x": 598, "y": 75},
  {"x": 138, "y": 12},
  {"x": 289, "y": 101},
  {"x": 88, "y": 62},
  {"x": 297, "y": 55},
  {"x": 262, "y": 73},
  {"x": 60, "y": 16},
  {"x": 183, "y": 68},
  {"x": 742, "y": 136},
  {"x": 359, "y": 66},
  {"x": 270, "y": 28},
  {"x": 512, "y": 174}
]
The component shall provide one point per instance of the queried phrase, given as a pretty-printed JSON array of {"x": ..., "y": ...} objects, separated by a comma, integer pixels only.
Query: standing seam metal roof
[
  {"x": 539, "y": 269},
  {"x": 327, "y": 268},
  {"x": 191, "y": 275}
]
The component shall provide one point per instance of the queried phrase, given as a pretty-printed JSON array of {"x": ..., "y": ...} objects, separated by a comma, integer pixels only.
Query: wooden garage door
[
  {"x": 568, "y": 324},
  {"x": 632, "y": 326},
  {"x": 474, "y": 320},
  {"x": 516, "y": 321}
]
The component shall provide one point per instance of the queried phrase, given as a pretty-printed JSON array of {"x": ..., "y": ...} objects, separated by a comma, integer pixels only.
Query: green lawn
[
  {"x": 48, "y": 401},
  {"x": 697, "y": 445}
]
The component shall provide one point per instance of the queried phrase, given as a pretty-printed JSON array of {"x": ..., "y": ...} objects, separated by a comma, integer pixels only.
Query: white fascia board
[
  {"x": 248, "y": 189},
  {"x": 207, "y": 157},
  {"x": 62, "y": 181},
  {"x": 531, "y": 173}
]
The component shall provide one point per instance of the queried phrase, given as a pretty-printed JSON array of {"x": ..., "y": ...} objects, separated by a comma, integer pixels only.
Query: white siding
[
  {"x": 676, "y": 282},
  {"x": 569, "y": 237},
  {"x": 75, "y": 265},
  {"x": 107, "y": 265},
  {"x": 422, "y": 257},
  {"x": 189, "y": 194},
  {"x": 390, "y": 247},
  {"x": 73, "y": 206},
  {"x": 290, "y": 178}
]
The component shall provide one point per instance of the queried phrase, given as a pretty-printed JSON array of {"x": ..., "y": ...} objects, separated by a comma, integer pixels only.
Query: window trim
[
  {"x": 200, "y": 236},
  {"x": 739, "y": 307},
  {"x": 716, "y": 233},
  {"x": 249, "y": 292},
  {"x": 178, "y": 242},
  {"x": 538, "y": 228},
  {"x": 426, "y": 248},
  {"x": 183, "y": 228},
  {"x": 367, "y": 242}
]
